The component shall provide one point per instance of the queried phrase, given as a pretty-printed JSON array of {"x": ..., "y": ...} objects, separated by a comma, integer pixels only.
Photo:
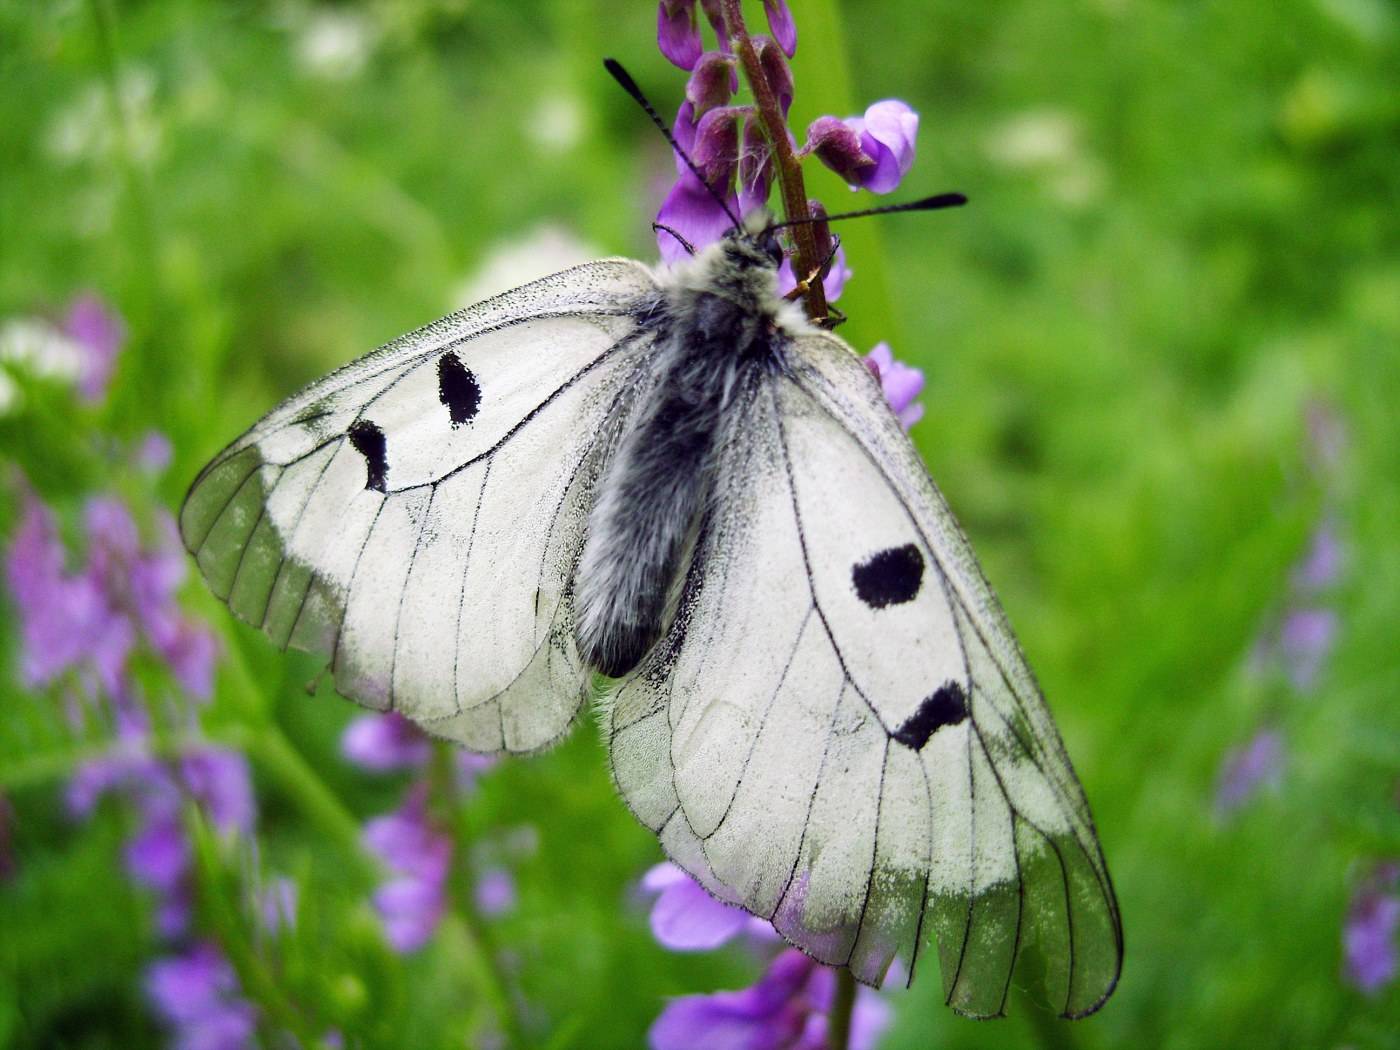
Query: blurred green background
[{"x": 1182, "y": 247}]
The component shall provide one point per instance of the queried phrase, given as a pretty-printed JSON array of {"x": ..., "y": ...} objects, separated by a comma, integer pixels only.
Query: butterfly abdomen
[{"x": 655, "y": 486}]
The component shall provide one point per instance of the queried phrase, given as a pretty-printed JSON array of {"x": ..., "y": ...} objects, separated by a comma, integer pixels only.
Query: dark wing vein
[
  {"x": 462, "y": 589},
  {"x": 398, "y": 615},
  {"x": 762, "y": 722}
]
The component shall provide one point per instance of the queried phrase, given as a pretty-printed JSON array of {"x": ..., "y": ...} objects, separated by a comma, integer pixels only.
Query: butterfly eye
[{"x": 768, "y": 244}]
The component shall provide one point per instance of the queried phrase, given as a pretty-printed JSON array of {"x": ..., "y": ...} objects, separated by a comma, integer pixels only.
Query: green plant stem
[
  {"x": 481, "y": 947},
  {"x": 789, "y": 168},
  {"x": 838, "y": 1024}
]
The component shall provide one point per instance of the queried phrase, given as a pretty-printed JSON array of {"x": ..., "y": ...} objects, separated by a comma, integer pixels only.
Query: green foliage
[{"x": 1182, "y": 235}]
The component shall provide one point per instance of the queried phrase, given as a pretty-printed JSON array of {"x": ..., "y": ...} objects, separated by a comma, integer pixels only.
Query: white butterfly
[{"x": 677, "y": 480}]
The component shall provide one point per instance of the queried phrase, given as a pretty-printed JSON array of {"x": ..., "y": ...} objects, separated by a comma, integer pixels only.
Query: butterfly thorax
[{"x": 720, "y": 329}]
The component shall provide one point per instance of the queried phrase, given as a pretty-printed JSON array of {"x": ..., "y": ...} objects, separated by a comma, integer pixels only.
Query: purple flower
[
  {"x": 678, "y": 32},
  {"x": 1322, "y": 563},
  {"x": 218, "y": 780},
  {"x": 684, "y": 917},
  {"x": 785, "y": 1010},
  {"x": 198, "y": 996},
  {"x": 469, "y": 768},
  {"x": 833, "y": 284},
  {"x": 781, "y": 24},
  {"x": 1369, "y": 938},
  {"x": 65, "y": 620},
  {"x": 100, "y": 333},
  {"x": 874, "y": 151},
  {"x": 693, "y": 212},
  {"x": 776, "y": 72},
  {"x": 710, "y": 85},
  {"x": 1248, "y": 769},
  {"x": 900, "y": 382},
  {"x": 277, "y": 905},
  {"x": 495, "y": 892},
  {"x": 1305, "y": 640},
  {"x": 410, "y": 904},
  {"x": 153, "y": 452},
  {"x": 383, "y": 743}
]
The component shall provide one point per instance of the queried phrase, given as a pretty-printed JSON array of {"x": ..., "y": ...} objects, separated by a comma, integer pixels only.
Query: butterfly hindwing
[
  {"x": 838, "y": 731},
  {"x": 415, "y": 516}
]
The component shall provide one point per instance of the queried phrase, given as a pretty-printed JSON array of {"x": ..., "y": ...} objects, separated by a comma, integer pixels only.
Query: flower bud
[
  {"x": 677, "y": 32},
  {"x": 715, "y": 150},
  {"x": 873, "y": 152},
  {"x": 837, "y": 145},
  {"x": 775, "y": 70},
  {"x": 781, "y": 24},
  {"x": 711, "y": 83},
  {"x": 755, "y": 167}
]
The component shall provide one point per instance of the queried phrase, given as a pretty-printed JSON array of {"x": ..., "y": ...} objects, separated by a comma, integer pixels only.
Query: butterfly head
[{"x": 753, "y": 243}]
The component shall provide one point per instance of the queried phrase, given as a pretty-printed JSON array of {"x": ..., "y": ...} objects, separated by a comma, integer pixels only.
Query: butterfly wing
[
  {"x": 838, "y": 731},
  {"x": 415, "y": 516}
]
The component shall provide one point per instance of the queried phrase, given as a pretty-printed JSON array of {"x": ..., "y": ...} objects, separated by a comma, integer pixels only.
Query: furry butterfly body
[{"x": 821, "y": 711}]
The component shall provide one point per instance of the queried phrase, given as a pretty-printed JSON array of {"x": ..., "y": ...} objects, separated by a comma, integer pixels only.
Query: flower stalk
[
  {"x": 838, "y": 1032},
  {"x": 789, "y": 169}
]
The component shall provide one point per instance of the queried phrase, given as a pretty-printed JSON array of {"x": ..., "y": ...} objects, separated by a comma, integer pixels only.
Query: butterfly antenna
[
  {"x": 630, "y": 86},
  {"x": 935, "y": 203}
]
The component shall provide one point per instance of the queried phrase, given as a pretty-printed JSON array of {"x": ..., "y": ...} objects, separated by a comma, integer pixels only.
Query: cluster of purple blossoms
[
  {"x": 1294, "y": 648},
  {"x": 786, "y": 1009},
  {"x": 416, "y": 851},
  {"x": 1371, "y": 936},
  {"x": 733, "y": 157},
  {"x": 83, "y": 631}
]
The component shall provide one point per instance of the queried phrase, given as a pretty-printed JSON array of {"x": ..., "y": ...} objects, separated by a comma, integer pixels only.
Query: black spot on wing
[
  {"x": 890, "y": 577},
  {"x": 369, "y": 442},
  {"x": 458, "y": 389},
  {"x": 946, "y": 707}
]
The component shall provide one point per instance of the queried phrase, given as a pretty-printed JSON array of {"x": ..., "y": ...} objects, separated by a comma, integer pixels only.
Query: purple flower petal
[
  {"x": 495, "y": 892},
  {"x": 470, "y": 767},
  {"x": 410, "y": 905},
  {"x": 780, "y": 23},
  {"x": 197, "y": 994},
  {"x": 887, "y": 133},
  {"x": 901, "y": 383},
  {"x": 1370, "y": 940},
  {"x": 382, "y": 743},
  {"x": 100, "y": 332},
  {"x": 64, "y": 620},
  {"x": 770, "y": 1015},
  {"x": 715, "y": 151},
  {"x": 1306, "y": 638},
  {"x": 1249, "y": 769},
  {"x": 755, "y": 168},
  {"x": 184, "y": 988},
  {"x": 685, "y": 918},
  {"x": 711, "y": 83},
  {"x": 159, "y": 857},
  {"x": 776, "y": 71},
  {"x": 714, "y": 14},
  {"x": 833, "y": 284},
  {"x": 692, "y": 212},
  {"x": 838, "y": 145},
  {"x": 219, "y": 781},
  {"x": 154, "y": 452},
  {"x": 678, "y": 33},
  {"x": 277, "y": 905},
  {"x": 410, "y": 909},
  {"x": 1322, "y": 563}
]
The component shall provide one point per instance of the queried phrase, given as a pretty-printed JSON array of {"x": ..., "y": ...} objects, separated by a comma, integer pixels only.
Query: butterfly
[{"x": 676, "y": 481}]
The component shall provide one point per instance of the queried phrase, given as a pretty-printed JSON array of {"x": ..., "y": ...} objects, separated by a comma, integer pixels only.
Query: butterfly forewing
[{"x": 415, "y": 516}]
